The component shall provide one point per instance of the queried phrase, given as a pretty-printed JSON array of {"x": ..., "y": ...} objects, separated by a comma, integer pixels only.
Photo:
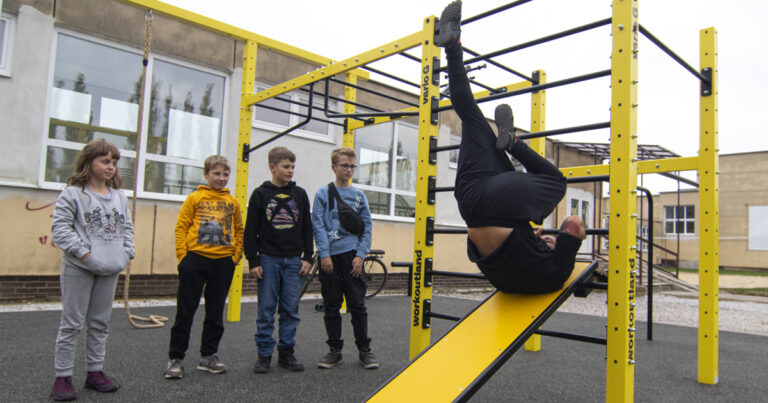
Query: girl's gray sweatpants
[{"x": 86, "y": 299}]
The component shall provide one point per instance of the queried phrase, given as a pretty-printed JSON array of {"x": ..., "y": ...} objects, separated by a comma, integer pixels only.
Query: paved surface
[{"x": 563, "y": 371}]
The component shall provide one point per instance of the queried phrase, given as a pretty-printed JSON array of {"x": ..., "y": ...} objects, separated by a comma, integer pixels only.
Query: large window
[
  {"x": 95, "y": 95},
  {"x": 278, "y": 113},
  {"x": 386, "y": 160},
  {"x": 679, "y": 219},
  {"x": 6, "y": 43}
]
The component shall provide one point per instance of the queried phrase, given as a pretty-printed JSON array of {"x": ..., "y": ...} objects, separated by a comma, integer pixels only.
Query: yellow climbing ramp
[{"x": 457, "y": 364}]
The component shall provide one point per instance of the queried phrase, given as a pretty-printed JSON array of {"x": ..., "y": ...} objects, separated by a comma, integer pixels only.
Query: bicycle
[{"x": 374, "y": 273}]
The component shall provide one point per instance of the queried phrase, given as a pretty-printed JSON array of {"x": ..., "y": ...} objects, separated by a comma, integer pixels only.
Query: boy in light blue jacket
[{"x": 341, "y": 256}]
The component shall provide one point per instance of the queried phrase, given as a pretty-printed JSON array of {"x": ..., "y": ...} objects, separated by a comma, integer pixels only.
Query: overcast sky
[{"x": 668, "y": 94}]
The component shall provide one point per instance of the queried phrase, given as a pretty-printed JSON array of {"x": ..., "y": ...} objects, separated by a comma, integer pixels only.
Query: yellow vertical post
[
  {"x": 423, "y": 249},
  {"x": 350, "y": 94},
  {"x": 538, "y": 113},
  {"x": 709, "y": 214},
  {"x": 241, "y": 168},
  {"x": 623, "y": 201}
]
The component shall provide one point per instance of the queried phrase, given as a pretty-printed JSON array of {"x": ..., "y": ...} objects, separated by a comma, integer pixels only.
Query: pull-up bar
[
  {"x": 538, "y": 87},
  {"x": 366, "y": 114},
  {"x": 494, "y": 11},
  {"x": 247, "y": 149},
  {"x": 539, "y": 41},
  {"x": 673, "y": 55}
]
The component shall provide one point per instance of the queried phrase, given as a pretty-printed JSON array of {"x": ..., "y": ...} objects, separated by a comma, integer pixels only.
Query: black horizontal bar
[
  {"x": 538, "y": 87},
  {"x": 447, "y": 230},
  {"x": 401, "y": 264},
  {"x": 494, "y": 11},
  {"x": 394, "y": 77},
  {"x": 565, "y": 130},
  {"x": 501, "y": 66},
  {"x": 596, "y": 285},
  {"x": 587, "y": 179},
  {"x": 455, "y": 274},
  {"x": 446, "y": 148},
  {"x": 680, "y": 178},
  {"x": 575, "y": 179},
  {"x": 672, "y": 54},
  {"x": 577, "y": 337},
  {"x": 409, "y": 56},
  {"x": 390, "y": 97},
  {"x": 590, "y": 231},
  {"x": 346, "y": 101},
  {"x": 297, "y": 113},
  {"x": 538, "y": 41},
  {"x": 443, "y": 316}
]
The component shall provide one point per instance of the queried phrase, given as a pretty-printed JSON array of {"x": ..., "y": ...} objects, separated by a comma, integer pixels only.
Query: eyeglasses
[{"x": 347, "y": 166}]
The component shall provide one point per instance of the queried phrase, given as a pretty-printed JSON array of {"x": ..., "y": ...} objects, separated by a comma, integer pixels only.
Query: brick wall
[{"x": 46, "y": 288}]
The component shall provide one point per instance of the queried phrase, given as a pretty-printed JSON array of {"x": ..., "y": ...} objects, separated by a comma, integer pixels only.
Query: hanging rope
[{"x": 155, "y": 320}]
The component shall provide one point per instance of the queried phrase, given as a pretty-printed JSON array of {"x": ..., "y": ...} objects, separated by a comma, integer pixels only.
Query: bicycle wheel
[
  {"x": 306, "y": 279},
  {"x": 374, "y": 275}
]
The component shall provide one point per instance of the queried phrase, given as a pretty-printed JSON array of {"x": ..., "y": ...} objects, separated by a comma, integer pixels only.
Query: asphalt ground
[{"x": 563, "y": 371}]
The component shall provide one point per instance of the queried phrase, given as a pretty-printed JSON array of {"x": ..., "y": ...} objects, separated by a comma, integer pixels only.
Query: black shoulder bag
[{"x": 348, "y": 217}]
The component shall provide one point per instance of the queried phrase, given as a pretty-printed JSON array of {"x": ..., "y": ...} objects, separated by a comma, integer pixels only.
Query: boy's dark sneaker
[
  {"x": 449, "y": 26},
  {"x": 332, "y": 359},
  {"x": 211, "y": 364},
  {"x": 505, "y": 122},
  {"x": 174, "y": 369},
  {"x": 63, "y": 390},
  {"x": 100, "y": 382},
  {"x": 289, "y": 362},
  {"x": 262, "y": 365},
  {"x": 368, "y": 360}
]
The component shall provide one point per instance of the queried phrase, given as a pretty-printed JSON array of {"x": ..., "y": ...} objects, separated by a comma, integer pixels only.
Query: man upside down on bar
[{"x": 497, "y": 202}]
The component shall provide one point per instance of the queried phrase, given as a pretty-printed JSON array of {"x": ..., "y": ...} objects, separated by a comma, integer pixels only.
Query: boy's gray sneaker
[
  {"x": 289, "y": 362},
  {"x": 505, "y": 122},
  {"x": 174, "y": 370},
  {"x": 449, "y": 26},
  {"x": 332, "y": 359},
  {"x": 262, "y": 365},
  {"x": 368, "y": 360},
  {"x": 211, "y": 364}
]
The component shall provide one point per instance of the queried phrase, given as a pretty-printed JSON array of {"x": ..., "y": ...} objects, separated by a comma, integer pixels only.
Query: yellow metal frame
[
  {"x": 539, "y": 145},
  {"x": 622, "y": 272},
  {"x": 423, "y": 252},
  {"x": 623, "y": 169},
  {"x": 709, "y": 214}
]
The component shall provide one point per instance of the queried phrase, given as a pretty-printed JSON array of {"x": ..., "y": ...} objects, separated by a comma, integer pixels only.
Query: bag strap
[{"x": 334, "y": 195}]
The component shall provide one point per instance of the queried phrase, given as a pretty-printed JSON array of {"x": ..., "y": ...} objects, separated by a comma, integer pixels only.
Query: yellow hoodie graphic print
[{"x": 210, "y": 224}]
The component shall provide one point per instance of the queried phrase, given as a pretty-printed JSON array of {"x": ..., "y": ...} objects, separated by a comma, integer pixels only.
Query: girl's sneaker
[
  {"x": 100, "y": 382},
  {"x": 63, "y": 390},
  {"x": 174, "y": 370},
  {"x": 212, "y": 364}
]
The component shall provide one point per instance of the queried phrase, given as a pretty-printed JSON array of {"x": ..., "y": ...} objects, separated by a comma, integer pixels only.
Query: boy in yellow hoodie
[{"x": 209, "y": 243}]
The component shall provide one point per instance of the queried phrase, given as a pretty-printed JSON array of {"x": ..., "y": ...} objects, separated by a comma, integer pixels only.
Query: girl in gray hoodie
[{"x": 92, "y": 225}]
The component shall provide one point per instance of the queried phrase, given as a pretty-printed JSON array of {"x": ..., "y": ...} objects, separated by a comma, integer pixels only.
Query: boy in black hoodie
[{"x": 278, "y": 246}]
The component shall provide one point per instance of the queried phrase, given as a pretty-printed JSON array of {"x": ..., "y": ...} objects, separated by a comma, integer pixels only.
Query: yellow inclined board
[{"x": 443, "y": 371}]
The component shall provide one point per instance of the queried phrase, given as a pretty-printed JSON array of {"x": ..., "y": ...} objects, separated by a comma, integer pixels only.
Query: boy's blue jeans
[{"x": 278, "y": 289}]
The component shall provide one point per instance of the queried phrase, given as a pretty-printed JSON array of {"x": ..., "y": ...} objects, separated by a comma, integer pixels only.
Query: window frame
[
  {"x": 6, "y": 57},
  {"x": 329, "y": 137},
  {"x": 392, "y": 191},
  {"x": 143, "y": 131},
  {"x": 675, "y": 219}
]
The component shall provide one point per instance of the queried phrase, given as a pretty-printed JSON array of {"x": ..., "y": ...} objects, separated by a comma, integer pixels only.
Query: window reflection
[
  {"x": 373, "y": 146},
  {"x": 60, "y": 164},
  {"x": 185, "y": 112},
  {"x": 96, "y": 92},
  {"x": 172, "y": 178}
]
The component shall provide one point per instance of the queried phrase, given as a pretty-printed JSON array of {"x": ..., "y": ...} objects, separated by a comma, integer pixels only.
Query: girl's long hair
[{"x": 91, "y": 151}]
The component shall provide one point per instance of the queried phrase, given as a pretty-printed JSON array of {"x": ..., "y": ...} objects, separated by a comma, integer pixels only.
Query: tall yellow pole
[
  {"x": 622, "y": 274},
  {"x": 241, "y": 175},
  {"x": 538, "y": 114},
  {"x": 709, "y": 214},
  {"x": 423, "y": 251}
]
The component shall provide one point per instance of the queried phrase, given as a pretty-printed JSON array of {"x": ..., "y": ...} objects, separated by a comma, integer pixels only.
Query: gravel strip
[{"x": 735, "y": 316}]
